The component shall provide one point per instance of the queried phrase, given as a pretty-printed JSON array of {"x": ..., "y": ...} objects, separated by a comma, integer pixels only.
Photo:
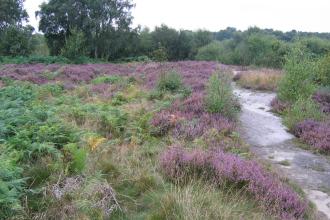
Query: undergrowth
[{"x": 92, "y": 151}]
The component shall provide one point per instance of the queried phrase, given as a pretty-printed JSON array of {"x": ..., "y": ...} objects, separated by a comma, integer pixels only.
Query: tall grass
[
  {"x": 260, "y": 79},
  {"x": 197, "y": 200}
]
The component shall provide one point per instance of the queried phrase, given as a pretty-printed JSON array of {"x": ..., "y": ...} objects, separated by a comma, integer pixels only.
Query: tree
[
  {"x": 166, "y": 38},
  {"x": 17, "y": 41},
  {"x": 39, "y": 45},
  {"x": 103, "y": 23},
  {"x": 12, "y": 13},
  {"x": 74, "y": 47}
]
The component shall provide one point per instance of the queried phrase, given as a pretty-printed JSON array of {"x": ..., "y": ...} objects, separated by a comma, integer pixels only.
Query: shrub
[
  {"x": 301, "y": 110},
  {"x": 212, "y": 51},
  {"x": 323, "y": 71},
  {"x": 159, "y": 54},
  {"x": 314, "y": 133},
  {"x": 219, "y": 167},
  {"x": 298, "y": 78},
  {"x": 162, "y": 122},
  {"x": 170, "y": 81},
  {"x": 220, "y": 98}
]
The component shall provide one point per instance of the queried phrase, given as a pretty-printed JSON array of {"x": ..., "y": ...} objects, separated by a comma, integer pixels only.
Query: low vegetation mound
[{"x": 220, "y": 168}]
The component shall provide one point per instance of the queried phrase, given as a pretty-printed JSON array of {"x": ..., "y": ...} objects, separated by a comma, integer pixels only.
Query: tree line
[{"x": 102, "y": 29}]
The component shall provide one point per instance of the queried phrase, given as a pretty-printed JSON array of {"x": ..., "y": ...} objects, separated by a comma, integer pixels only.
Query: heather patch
[
  {"x": 216, "y": 166},
  {"x": 317, "y": 134},
  {"x": 322, "y": 97}
]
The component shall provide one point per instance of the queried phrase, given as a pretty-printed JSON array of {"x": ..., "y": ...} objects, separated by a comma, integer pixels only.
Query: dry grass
[{"x": 260, "y": 79}]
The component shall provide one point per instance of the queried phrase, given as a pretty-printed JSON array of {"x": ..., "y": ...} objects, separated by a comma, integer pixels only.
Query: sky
[{"x": 214, "y": 15}]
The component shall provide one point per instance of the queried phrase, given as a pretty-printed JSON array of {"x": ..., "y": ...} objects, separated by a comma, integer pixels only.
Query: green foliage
[
  {"x": 250, "y": 49},
  {"x": 34, "y": 59},
  {"x": 220, "y": 98},
  {"x": 16, "y": 41},
  {"x": 298, "y": 78},
  {"x": 212, "y": 51},
  {"x": 159, "y": 54},
  {"x": 75, "y": 46},
  {"x": 77, "y": 158},
  {"x": 119, "y": 99},
  {"x": 107, "y": 79},
  {"x": 315, "y": 45},
  {"x": 12, "y": 13},
  {"x": 40, "y": 45},
  {"x": 102, "y": 41},
  {"x": 112, "y": 123},
  {"x": 301, "y": 110},
  {"x": 142, "y": 58},
  {"x": 323, "y": 71},
  {"x": 170, "y": 81},
  {"x": 30, "y": 132},
  {"x": 11, "y": 184}
]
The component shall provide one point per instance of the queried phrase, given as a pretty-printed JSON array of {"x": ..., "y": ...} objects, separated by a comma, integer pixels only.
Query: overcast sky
[{"x": 285, "y": 15}]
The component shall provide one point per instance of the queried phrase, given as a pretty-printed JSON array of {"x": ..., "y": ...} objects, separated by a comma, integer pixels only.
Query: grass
[
  {"x": 260, "y": 79},
  {"x": 197, "y": 200}
]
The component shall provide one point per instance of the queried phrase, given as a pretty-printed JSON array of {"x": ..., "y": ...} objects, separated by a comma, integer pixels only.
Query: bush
[
  {"x": 159, "y": 54},
  {"x": 220, "y": 98},
  {"x": 298, "y": 78},
  {"x": 170, "y": 81},
  {"x": 301, "y": 110},
  {"x": 212, "y": 51},
  {"x": 323, "y": 71}
]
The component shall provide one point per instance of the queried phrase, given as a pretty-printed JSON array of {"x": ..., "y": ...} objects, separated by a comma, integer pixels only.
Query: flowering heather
[
  {"x": 323, "y": 98},
  {"x": 194, "y": 73},
  {"x": 187, "y": 119},
  {"x": 163, "y": 122},
  {"x": 219, "y": 167},
  {"x": 190, "y": 129},
  {"x": 193, "y": 105},
  {"x": 101, "y": 88},
  {"x": 314, "y": 133}
]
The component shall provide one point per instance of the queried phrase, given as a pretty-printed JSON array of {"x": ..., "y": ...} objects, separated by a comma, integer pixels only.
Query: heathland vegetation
[{"x": 141, "y": 137}]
